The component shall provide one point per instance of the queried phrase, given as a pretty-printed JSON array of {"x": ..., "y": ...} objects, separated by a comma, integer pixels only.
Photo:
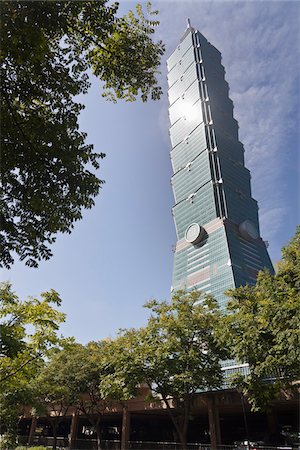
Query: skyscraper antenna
[{"x": 189, "y": 23}]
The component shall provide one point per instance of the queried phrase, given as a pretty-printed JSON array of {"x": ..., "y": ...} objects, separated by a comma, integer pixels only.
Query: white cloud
[{"x": 273, "y": 219}]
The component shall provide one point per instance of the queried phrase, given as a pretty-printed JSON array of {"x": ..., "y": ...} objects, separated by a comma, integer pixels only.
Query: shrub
[{"x": 39, "y": 447}]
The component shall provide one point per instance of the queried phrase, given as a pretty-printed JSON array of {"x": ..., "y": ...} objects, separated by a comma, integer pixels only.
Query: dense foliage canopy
[
  {"x": 48, "y": 48},
  {"x": 263, "y": 329},
  {"x": 72, "y": 378},
  {"x": 28, "y": 331},
  {"x": 172, "y": 358},
  {"x": 177, "y": 354}
]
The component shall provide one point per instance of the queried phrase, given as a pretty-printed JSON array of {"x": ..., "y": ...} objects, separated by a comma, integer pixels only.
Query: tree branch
[
  {"x": 77, "y": 30},
  {"x": 20, "y": 368},
  {"x": 18, "y": 125}
]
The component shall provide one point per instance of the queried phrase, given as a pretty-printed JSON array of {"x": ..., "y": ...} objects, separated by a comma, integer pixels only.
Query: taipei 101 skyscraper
[{"x": 218, "y": 239}]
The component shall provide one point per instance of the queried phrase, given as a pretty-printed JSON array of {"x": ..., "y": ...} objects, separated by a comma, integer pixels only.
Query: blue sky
[{"x": 120, "y": 255}]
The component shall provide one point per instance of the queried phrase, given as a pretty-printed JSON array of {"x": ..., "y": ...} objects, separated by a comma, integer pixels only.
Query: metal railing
[
  {"x": 144, "y": 445},
  {"x": 91, "y": 444}
]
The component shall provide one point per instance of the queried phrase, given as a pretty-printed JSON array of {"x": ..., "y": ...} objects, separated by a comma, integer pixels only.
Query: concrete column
[
  {"x": 125, "y": 436},
  {"x": 32, "y": 430},
  {"x": 73, "y": 431},
  {"x": 214, "y": 422}
]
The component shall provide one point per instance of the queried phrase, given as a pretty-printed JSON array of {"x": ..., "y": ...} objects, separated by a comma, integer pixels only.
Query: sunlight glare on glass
[{"x": 189, "y": 112}]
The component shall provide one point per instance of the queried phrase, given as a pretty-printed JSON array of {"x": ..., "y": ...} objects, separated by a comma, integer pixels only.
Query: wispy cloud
[{"x": 260, "y": 46}]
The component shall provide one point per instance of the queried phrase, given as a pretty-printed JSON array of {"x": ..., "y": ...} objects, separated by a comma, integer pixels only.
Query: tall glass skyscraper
[{"x": 218, "y": 239}]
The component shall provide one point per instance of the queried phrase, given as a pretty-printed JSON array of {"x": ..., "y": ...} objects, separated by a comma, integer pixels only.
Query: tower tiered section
[{"x": 218, "y": 239}]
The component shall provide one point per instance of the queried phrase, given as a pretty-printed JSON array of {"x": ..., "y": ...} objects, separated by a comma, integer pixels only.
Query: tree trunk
[
  {"x": 54, "y": 441},
  {"x": 73, "y": 431},
  {"x": 245, "y": 419},
  {"x": 181, "y": 428},
  {"x": 95, "y": 422},
  {"x": 186, "y": 420},
  {"x": 214, "y": 422},
  {"x": 125, "y": 436},
  {"x": 32, "y": 430},
  {"x": 98, "y": 432},
  {"x": 54, "y": 429},
  {"x": 183, "y": 441},
  {"x": 182, "y": 432}
]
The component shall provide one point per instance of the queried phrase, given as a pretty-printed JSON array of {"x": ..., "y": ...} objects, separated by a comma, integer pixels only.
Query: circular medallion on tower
[
  {"x": 248, "y": 230},
  {"x": 194, "y": 233}
]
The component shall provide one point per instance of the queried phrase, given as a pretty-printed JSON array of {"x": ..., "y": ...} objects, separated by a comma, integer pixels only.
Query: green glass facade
[{"x": 211, "y": 185}]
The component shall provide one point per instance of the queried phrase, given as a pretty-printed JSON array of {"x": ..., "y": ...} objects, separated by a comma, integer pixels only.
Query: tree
[
  {"x": 47, "y": 51},
  {"x": 176, "y": 355},
  {"x": 28, "y": 331},
  {"x": 78, "y": 370},
  {"x": 53, "y": 398},
  {"x": 263, "y": 329}
]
